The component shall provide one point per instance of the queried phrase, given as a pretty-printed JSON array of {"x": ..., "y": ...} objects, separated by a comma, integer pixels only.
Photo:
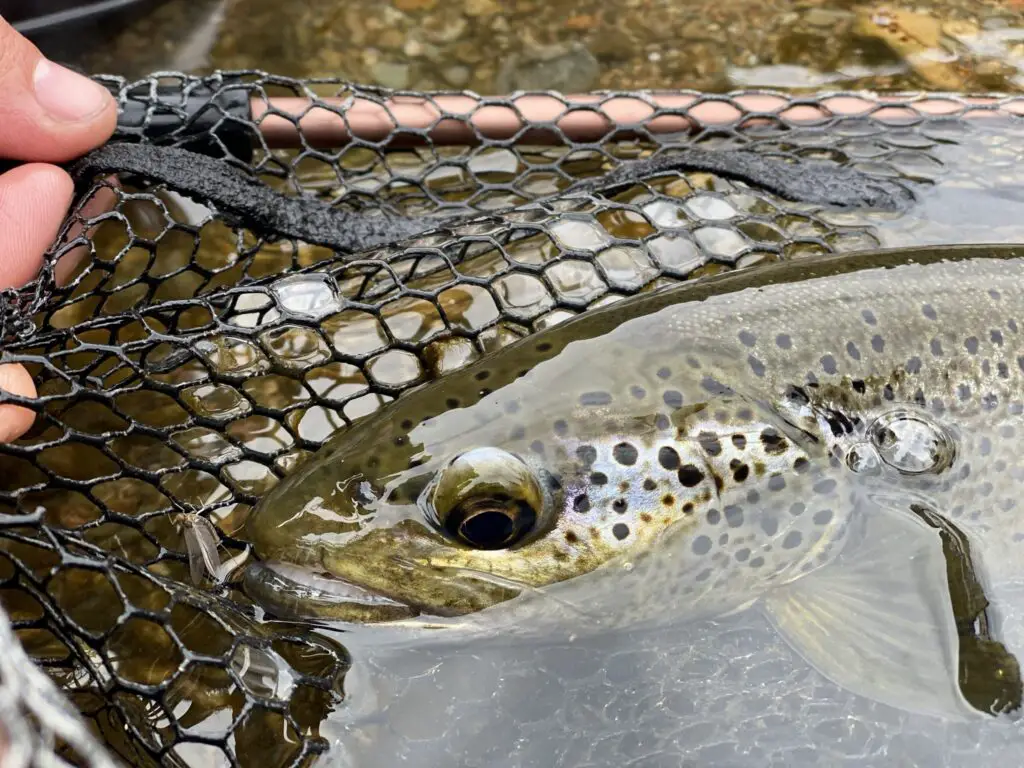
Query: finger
[
  {"x": 33, "y": 201},
  {"x": 48, "y": 113},
  {"x": 14, "y": 419}
]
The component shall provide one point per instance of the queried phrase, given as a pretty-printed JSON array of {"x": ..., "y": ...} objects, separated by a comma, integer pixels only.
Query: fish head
[
  {"x": 450, "y": 508},
  {"x": 458, "y": 512}
]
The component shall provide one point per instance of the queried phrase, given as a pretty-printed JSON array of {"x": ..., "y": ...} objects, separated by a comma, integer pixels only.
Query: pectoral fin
[{"x": 878, "y": 620}]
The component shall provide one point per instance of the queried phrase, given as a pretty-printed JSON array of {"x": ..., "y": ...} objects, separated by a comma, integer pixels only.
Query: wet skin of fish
[{"x": 781, "y": 438}]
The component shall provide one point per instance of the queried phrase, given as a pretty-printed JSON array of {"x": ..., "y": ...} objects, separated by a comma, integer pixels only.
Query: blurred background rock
[{"x": 493, "y": 46}]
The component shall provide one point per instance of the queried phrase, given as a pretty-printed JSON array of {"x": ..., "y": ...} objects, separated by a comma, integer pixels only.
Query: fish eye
[{"x": 486, "y": 498}]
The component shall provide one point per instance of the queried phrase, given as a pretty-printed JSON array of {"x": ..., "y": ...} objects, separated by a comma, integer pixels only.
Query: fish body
[{"x": 780, "y": 438}]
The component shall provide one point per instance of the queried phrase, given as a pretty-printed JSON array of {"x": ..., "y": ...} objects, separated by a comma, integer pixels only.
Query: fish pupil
[{"x": 492, "y": 523}]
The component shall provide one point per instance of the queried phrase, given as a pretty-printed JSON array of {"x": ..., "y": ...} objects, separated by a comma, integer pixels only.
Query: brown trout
[{"x": 780, "y": 438}]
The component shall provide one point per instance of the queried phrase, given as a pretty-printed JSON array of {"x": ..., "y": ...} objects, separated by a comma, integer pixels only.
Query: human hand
[{"x": 48, "y": 114}]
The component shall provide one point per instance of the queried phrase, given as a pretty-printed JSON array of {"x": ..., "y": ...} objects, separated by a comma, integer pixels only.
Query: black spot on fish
[
  {"x": 747, "y": 338},
  {"x": 693, "y": 362},
  {"x": 936, "y": 347},
  {"x": 668, "y": 500},
  {"x": 985, "y": 446},
  {"x": 714, "y": 517},
  {"x": 561, "y": 428},
  {"x": 638, "y": 392},
  {"x": 538, "y": 447},
  {"x": 649, "y": 485},
  {"x": 852, "y": 351},
  {"x": 757, "y": 562},
  {"x": 801, "y": 465},
  {"x": 687, "y": 507},
  {"x": 571, "y": 537},
  {"x": 929, "y": 311},
  {"x": 620, "y": 531},
  {"x": 587, "y": 454},
  {"x": 620, "y": 506},
  {"x": 877, "y": 343},
  {"x": 793, "y": 540},
  {"x": 797, "y": 394},
  {"x": 823, "y": 517},
  {"x": 742, "y": 555},
  {"x": 668, "y": 457},
  {"x": 914, "y": 365},
  {"x": 994, "y": 294},
  {"x": 824, "y": 486},
  {"x": 869, "y": 317},
  {"x": 1011, "y": 325},
  {"x": 733, "y": 516},
  {"x": 709, "y": 442},
  {"x": 919, "y": 397},
  {"x": 518, "y": 432},
  {"x": 714, "y": 386},
  {"x": 661, "y": 421},
  {"x": 625, "y": 454},
  {"x": 451, "y": 402},
  {"x": 828, "y": 364},
  {"x": 598, "y": 478},
  {"x": 544, "y": 346},
  {"x": 740, "y": 441},
  {"x": 581, "y": 504},
  {"x": 482, "y": 375},
  {"x": 773, "y": 442},
  {"x": 769, "y": 524},
  {"x": 859, "y": 386},
  {"x": 797, "y": 508},
  {"x": 690, "y": 476},
  {"x": 996, "y": 337},
  {"x": 701, "y": 545},
  {"x": 741, "y": 473},
  {"x": 783, "y": 341},
  {"x": 776, "y": 482},
  {"x": 406, "y": 424},
  {"x": 672, "y": 398},
  {"x": 756, "y": 366},
  {"x": 963, "y": 392},
  {"x": 971, "y": 345},
  {"x": 663, "y": 373},
  {"x": 554, "y": 482},
  {"x": 887, "y": 392},
  {"x": 595, "y": 398}
]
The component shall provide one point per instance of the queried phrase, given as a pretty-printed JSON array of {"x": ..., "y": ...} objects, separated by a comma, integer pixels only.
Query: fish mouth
[{"x": 296, "y": 592}]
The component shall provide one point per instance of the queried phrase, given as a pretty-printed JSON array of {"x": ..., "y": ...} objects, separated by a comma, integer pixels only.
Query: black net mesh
[{"x": 189, "y": 361}]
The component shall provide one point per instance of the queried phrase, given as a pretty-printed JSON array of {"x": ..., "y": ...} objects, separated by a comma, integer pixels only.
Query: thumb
[{"x": 47, "y": 113}]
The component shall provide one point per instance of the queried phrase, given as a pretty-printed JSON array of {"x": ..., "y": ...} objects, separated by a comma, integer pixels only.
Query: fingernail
[{"x": 66, "y": 95}]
